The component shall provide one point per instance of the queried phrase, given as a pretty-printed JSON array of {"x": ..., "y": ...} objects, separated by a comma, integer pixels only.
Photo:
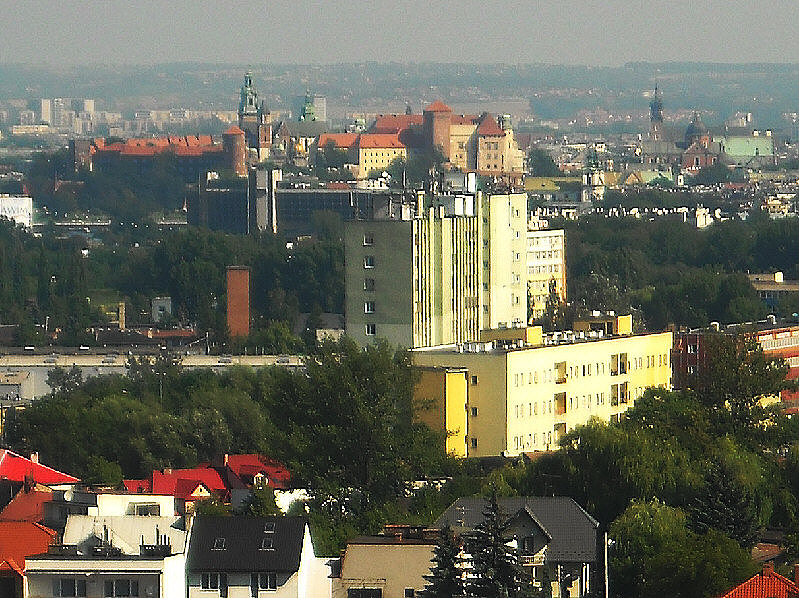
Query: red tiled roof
[
  {"x": 21, "y": 539},
  {"x": 27, "y": 505},
  {"x": 766, "y": 584},
  {"x": 234, "y": 130},
  {"x": 394, "y": 123},
  {"x": 185, "y": 488},
  {"x": 338, "y": 185},
  {"x": 378, "y": 140},
  {"x": 250, "y": 465},
  {"x": 489, "y": 127},
  {"x": 16, "y": 468},
  {"x": 138, "y": 486},
  {"x": 166, "y": 482},
  {"x": 340, "y": 140},
  {"x": 438, "y": 106}
]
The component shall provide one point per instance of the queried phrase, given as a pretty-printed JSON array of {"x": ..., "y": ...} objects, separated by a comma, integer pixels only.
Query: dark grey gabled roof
[
  {"x": 242, "y": 538},
  {"x": 572, "y": 530}
]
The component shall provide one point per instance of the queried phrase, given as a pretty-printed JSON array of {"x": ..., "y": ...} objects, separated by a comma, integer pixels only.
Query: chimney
[
  {"x": 35, "y": 457},
  {"x": 168, "y": 471},
  {"x": 768, "y": 569}
]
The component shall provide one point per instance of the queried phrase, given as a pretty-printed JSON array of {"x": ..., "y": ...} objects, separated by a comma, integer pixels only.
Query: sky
[{"x": 589, "y": 32}]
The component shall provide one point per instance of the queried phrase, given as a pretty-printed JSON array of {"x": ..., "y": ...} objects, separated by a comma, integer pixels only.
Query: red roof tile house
[
  {"x": 17, "y": 472},
  {"x": 765, "y": 584},
  {"x": 228, "y": 480},
  {"x": 19, "y": 540}
]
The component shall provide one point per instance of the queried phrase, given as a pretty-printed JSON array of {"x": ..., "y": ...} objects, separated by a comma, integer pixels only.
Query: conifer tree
[
  {"x": 495, "y": 565},
  {"x": 446, "y": 577}
]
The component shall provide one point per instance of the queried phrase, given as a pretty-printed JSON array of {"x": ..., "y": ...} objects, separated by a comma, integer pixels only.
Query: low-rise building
[
  {"x": 525, "y": 390},
  {"x": 391, "y": 565},
  {"x": 112, "y": 556},
  {"x": 246, "y": 557},
  {"x": 548, "y": 532}
]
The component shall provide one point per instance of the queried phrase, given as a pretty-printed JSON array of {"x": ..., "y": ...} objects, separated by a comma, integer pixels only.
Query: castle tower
[
  {"x": 253, "y": 119},
  {"x": 593, "y": 183},
  {"x": 235, "y": 148},
  {"x": 437, "y": 124},
  {"x": 656, "y": 117}
]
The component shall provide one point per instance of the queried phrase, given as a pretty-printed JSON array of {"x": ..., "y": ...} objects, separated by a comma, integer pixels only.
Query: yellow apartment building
[
  {"x": 546, "y": 263},
  {"x": 525, "y": 390}
]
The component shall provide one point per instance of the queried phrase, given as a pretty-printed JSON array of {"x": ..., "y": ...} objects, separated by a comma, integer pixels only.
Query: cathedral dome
[{"x": 696, "y": 130}]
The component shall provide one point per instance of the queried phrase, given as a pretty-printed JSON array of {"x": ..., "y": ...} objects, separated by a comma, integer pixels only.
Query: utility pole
[{"x": 607, "y": 577}]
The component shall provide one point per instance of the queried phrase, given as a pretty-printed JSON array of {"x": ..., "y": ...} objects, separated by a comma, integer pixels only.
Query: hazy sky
[{"x": 608, "y": 32}]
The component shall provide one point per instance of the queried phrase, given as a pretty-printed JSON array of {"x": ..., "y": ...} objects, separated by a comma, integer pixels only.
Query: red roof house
[
  {"x": 765, "y": 584},
  {"x": 19, "y": 540},
  {"x": 27, "y": 505},
  {"x": 16, "y": 468}
]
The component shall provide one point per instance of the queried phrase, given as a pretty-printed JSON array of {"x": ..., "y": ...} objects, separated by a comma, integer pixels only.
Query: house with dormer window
[
  {"x": 549, "y": 532},
  {"x": 255, "y": 557}
]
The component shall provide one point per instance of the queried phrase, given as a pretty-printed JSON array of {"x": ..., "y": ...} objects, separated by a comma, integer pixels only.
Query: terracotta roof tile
[
  {"x": 395, "y": 123},
  {"x": 234, "y": 130},
  {"x": 765, "y": 584},
  {"x": 26, "y": 506},
  {"x": 377, "y": 140},
  {"x": 340, "y": 140},
  {"x": 489, "y": 127},
  {"x": 438, "y": 106},
  {"x": 21, "y": 539},
  {"x": 16, "y": 468}
]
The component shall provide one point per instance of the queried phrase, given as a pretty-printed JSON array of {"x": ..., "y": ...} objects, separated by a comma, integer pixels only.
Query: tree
[
  {"x": 495, "y": 565},
  {"x": 735, "y": 375},
  {"x": 101, "y": 472},
  {"x": 261, "y": 503},
  {"x": 446, "y": 576},
  {"x": 61, "y": 380},
  {"x": 540, "y": 163},
  {"x": 655, "y": 554}
]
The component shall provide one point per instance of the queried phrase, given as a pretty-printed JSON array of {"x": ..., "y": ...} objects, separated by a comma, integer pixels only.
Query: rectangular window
[
  {"x": 368, "y": 261},
  {"x": 368, "y": 240},
  {"x": 410, "y": 593},
  {"x": 213, "y": 581},
  {"x": 69, "y": 587},
  {"x": 474, "y": 411},
  {"x": 371, "y": 329},
  {"x": 263, "y": 581},
  {"x": 474, "y": 380},
  {"x": 474, "y": 442},
  {"x": 364, "y": 593},
  {"x": 267, "y": 543},
  {"x": 368, "y": 284},
  {"x": 369, "y": 307},
  {"x": 121, "y": 587}
]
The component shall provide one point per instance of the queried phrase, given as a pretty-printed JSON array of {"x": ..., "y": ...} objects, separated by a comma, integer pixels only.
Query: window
[
  {"x": 474, "y": 411},
  {"x": 474, "y": 380},
  {"x": 269, "y": 527},
  {"x": 410, "y": 593},
  {"x": 213, "y": 581},
  {"x": 69, "y": 587},
  {"x": 263, "y": 581},
  {"x": 121, "y": 587},
  {"x": 267, "y": 543},
  {"x": 368, "y": 284},
  {"x": 219, "y": 544},
  {"x": 368, "y": 261},
  {"x": 371, "y": 329},
  {"x": 369, "y": 307},
  {"x": 474, "y": 442},
  {"x": 368, "y": 240},
  {"x": 364, "y": 593}
]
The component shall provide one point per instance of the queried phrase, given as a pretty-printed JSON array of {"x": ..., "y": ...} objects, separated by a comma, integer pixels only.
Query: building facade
[
  {"x": 457, "y": 267},
  {"x": 546, "y": 268},
  {"x": 525, "y": 391}
]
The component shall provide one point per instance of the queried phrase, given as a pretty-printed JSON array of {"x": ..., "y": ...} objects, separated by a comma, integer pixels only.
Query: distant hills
[{"x": 555, "y": 91}]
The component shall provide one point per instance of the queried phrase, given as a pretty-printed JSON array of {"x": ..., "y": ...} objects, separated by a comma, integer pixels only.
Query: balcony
[{"x": 531, "y": 560}]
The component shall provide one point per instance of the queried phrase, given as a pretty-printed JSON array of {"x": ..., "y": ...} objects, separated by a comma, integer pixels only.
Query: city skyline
[{"x": 572, "y": 32}]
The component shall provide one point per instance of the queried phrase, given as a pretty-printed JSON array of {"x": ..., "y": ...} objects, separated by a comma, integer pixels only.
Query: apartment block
[
  {"x": 546, "y": 265},
  {"x": 440, "y": 276},
  {"x": 525, "y": 390}
]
